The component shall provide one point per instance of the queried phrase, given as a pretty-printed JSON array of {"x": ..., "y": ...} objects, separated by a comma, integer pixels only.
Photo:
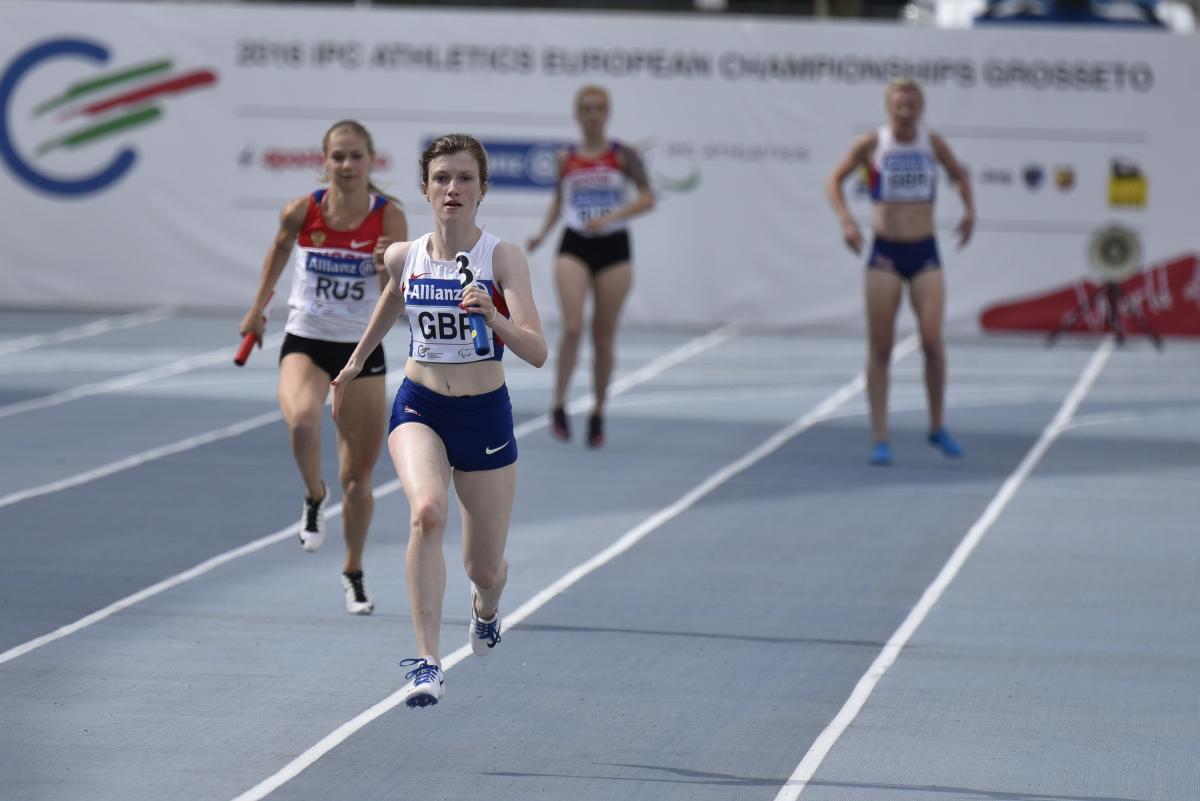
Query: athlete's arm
[
  {"x": 395, "y": 229},
  {"x": 633, "y": 168},
  {"x": 962, "y": 181},
  {"x": 856, "y": 158},
  {"x": 522, "y": 331},
  {"x": 290, "y": 220},
  {"x": 555, "y": 208},
  {"x": 387, "y": 310}
]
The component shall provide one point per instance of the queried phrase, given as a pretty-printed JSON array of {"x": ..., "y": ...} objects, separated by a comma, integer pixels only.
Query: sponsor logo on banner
[
  {"x": 1033, "y": 175},
  {"x": 1064, "y": 178},
  {"x": 54, "y": 134},
  {"x": 994, "y": 176},
  {"x": 1127, "y": 184},
  {"x": 520, "y": 164},
  {"x": 281, "y": 158}
]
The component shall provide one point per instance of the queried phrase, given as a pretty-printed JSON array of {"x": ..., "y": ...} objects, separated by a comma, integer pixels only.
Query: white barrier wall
[{"x": 146, "y": 149}]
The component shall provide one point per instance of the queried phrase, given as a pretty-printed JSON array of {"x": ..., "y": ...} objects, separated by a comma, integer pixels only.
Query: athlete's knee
[
  {"x": 304, "y": 426},
  {"x": 356, "y": 485},
  {"x": 604, "y": 348},
  {"x": 429, "y": 517},
  {"x": 484, "y": 575},
  {"x": 880, "y": 353},
  {"x": 572, "y": 330},
  {"x": 932, "y": 345}
]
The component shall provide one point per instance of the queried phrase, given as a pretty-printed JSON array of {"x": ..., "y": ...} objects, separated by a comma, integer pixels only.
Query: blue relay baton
[{"x": 479, "y": 328}]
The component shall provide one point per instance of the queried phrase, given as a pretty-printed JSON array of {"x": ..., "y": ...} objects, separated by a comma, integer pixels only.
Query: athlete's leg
[
  {"x": 360, "y": 428},
  {"x": 486, "y": 502},
  {"x": 928, "y": 294},
  {"x": 611, "y": 288},
  {"x": 301, "y": 393},
  {"x": 883, "y": 289},
  {"x": 424, "y": 472},
  {"x": 571, "y": 278}
]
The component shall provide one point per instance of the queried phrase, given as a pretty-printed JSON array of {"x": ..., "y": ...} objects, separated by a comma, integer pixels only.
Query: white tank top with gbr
[
  {"x": 903, "y": 172},
  {"x": 441, "y": 331},
  {"x": 334, "y": 283}
]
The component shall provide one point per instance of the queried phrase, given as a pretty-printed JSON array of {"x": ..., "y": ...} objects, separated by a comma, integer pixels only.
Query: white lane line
[
  {"x": 94, "y": 328},
  {"x": 205, "y": 438},
  {"x": 891, "y": 651},
  {"x": 665, "y": 362},
  {"x": 1116, "y": 418},
  {"x": 155, "y": 589},
  {"x": 543, "y": 597},
  {"x": 646, "y": 373},
  {"x": 130, "y": 380}
]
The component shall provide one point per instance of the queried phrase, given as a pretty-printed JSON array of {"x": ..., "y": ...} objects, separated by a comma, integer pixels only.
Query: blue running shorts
[
  {"x": 477, "y": 430},
  {"x": 906, "y": 259}
]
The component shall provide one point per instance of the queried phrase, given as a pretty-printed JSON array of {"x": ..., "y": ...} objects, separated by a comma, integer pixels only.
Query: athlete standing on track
[
  {"x": 452, "y": 418},
  {"x": 901, "y": 159},
  {"x": 335, "y": 235},
  {"x": 594, "y": 252}
]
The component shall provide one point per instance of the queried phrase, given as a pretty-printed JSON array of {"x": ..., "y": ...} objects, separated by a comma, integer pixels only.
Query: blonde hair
[
  {"x": 357, "y": 128},
  {"x": 904, "y": 84},
  {"x": 591, "y": 89}
]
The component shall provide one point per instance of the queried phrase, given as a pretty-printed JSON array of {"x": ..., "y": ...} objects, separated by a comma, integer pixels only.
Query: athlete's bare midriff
[
  {"x": 904, "y": 222},
  {"x": 457, "y": 380}
]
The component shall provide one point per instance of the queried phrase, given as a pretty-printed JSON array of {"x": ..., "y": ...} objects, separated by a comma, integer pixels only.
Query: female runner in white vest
[
  {"x": 452, "y": 419},
  {"x": 901, "y": 159},
  {"x": 331, "y": 237}
]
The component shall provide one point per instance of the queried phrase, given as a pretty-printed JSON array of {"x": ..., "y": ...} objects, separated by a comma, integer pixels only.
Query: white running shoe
[
  {"x": 484, "y": 635},
  {"x": 427, "y": 683},
  {"x": 357, "y": 600},
  {"x": 312, "y": 523}
]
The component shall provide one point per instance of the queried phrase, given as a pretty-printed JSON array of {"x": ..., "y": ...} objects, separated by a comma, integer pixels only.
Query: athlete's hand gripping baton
[
  {"x": 479, "y": 328},
  {"x": 249, "y": 341}
]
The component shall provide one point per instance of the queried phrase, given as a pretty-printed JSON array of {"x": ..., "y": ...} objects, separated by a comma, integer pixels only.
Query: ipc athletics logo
[{"x": 87, "y": 112}]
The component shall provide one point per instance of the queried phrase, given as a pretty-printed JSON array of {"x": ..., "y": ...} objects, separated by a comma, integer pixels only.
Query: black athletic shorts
[
  {"x": 332, "y": 356},
  {"x": 597, "y": 252}
]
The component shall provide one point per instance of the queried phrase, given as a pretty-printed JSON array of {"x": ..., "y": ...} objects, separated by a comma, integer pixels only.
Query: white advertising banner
[{"x": 146, "y": 149}]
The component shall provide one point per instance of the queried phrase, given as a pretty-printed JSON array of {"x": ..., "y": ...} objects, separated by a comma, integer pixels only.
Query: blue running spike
[
  {"x": 427, "y": 682},
  {"x": 881, "y": 454},
  {"x": 942, "y": 440}
]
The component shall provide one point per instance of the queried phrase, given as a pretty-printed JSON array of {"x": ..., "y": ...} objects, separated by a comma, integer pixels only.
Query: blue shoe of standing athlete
[
  {"x": 881, "y": 454},
  {"x": 942, "y": 440},
  {"x": 426, "y": 683}
]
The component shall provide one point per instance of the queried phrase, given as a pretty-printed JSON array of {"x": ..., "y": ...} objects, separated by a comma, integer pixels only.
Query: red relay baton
[{"x": 249, "y": 341}]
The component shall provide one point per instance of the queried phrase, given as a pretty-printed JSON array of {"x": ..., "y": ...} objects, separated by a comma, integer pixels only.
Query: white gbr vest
[
  {"x": 441, "y": 331},
  {"x": 903, "y": 172}
]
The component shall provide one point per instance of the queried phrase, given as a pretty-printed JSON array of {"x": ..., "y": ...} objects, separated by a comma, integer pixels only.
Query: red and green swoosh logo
[
  {"x": 127, "y": 100},
  {"x": 101, "y": 106}
]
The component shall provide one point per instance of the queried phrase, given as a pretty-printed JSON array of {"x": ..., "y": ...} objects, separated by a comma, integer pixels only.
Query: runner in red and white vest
[
  {"x": 593, "y": 193},
  {"x": 334, "y": 238}
]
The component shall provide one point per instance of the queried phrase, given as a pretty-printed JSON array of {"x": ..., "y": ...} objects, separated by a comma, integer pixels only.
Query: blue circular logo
[{"x": 27, "y": 61}]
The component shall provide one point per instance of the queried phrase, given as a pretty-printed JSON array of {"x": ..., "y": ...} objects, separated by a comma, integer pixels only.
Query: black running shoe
[
  {"x": 560, "y": 428},
  {"x": 312, "y": 523},
  {"x": 595, "y": 437},
  {"x": 357, "y": 600}
]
